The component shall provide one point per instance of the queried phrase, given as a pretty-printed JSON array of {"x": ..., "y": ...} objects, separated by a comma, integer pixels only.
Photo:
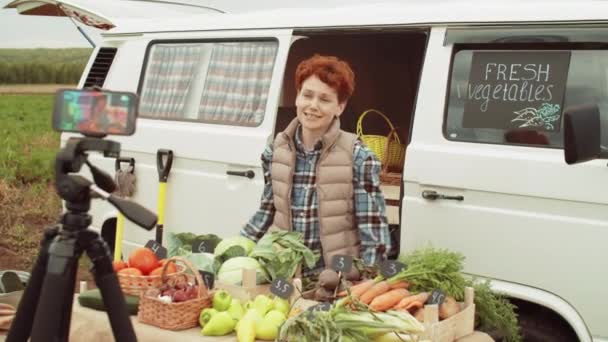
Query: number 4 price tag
[
  {"x": 390, "y": 268},
  {"x": 342, "y": 263},
  {"x": 281, "y": 288},
  {"x": 157, "y": 248},
  {"x": 436, "y": 297}
]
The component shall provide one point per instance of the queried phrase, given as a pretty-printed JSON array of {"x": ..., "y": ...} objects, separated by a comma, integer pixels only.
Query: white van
[{"x": 476, "y": 90}]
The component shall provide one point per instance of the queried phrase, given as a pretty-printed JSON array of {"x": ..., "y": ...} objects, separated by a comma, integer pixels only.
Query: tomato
[
  {"x": 119, "y": 265},
  {"x": 130, "y": 271},
  {"x": 144, "y": 259},
  {"x": 171, "y": 268}
]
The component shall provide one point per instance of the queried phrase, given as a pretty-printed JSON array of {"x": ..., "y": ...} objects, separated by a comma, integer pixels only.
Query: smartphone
[{"x": 95, "y": 112}]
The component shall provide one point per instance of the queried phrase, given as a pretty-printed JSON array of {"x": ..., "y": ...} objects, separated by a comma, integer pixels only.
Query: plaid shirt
[{"x": 369, "y": 203}]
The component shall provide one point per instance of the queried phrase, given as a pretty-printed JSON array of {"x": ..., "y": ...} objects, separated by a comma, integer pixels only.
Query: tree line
[{"x": 36, "y": 73}]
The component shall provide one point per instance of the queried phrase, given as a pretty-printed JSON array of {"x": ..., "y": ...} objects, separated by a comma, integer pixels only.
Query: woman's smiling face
[{"x": 316, "y": 105}]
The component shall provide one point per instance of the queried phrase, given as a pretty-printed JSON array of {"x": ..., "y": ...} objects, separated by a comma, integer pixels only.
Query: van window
[
  {"x": 517, "y": 96},
  {"x": 212, "y": 82}
]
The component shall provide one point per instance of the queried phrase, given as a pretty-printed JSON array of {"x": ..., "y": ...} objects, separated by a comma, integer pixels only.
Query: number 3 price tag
[
  {"x": 342, "y": 263},
  {"x": 390, "y": 268},
  {"x": 157, "y": 248},
  {"x": 281, "y": 288}
]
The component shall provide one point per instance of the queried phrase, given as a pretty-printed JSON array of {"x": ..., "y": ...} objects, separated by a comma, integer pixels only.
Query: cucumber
[{"x": 92, "y": 299}]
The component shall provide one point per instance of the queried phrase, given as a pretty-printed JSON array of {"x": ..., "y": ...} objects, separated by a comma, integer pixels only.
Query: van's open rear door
[
  {"x": 88, "y": 15},
  {"x": 106, "y": 14}
]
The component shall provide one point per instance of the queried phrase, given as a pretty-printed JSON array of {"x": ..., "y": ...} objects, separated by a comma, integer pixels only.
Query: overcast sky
[{"x": 24, "y": 31}]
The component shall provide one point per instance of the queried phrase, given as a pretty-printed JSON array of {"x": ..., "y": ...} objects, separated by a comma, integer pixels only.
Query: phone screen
[{"x": 95, "y": 112}]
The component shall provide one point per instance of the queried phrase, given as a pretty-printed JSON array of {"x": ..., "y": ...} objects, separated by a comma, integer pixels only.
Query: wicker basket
[
  {"x": 134, "y": 285},
  {"x": 174, "y": 316},
  {"x": 389, "y": 148}
]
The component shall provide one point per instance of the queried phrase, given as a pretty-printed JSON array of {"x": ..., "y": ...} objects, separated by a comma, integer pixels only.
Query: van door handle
[
  {"x": 434, "y": 195},
  {"x": 249, "y": 173}
]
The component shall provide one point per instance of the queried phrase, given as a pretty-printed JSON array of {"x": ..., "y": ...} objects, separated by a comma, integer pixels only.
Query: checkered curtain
[
  {"x": 168, "y": 79},
  {"x": 237, "y": 83}
]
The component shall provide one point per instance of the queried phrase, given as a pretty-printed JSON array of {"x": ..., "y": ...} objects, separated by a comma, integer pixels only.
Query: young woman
[{"x": 322, "y": 181}]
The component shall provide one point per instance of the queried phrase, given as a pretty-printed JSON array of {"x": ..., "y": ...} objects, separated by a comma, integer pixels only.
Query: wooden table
[{"x": 93, "y": 326}]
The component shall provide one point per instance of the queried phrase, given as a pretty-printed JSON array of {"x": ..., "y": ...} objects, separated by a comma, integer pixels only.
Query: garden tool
[
  {"x": 164, "y": 160},
  {"x": 125, "y": 187}
]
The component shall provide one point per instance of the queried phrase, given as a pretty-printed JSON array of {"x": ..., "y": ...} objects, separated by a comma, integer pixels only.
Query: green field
[
  {"x": 35, "y": 66},
  {"x": 44, "y": 55},
  {"x": 28, "y": 201},
  {"x": 28, "y": 144}
]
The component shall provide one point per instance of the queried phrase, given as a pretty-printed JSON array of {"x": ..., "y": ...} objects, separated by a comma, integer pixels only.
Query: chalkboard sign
[
  {"x": 157, "y": 248},
  {"x": 515, "y": 89},
  {"x": 208, "y": 278},
  {"x": 436, "y": 297},
  {"x": 281, "y": 288},
  {"x": 203, "y": 246},
  {"x": 342, "y": 263},
  {"x": 390, "y": 268},
  {"x": 323, "y": 306}
]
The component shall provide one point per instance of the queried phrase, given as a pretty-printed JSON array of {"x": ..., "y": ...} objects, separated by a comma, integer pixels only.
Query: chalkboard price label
[
  {"x": 436, "y": 297},
  {"x": 323, "y": 306},
  {"x": 281, "y": 288},
  {"x": 157, "y": 248},
  {"x": 390, "y": 268},
  {"x": 203, "y": 246},
  {"x": 342, "y": 263},
  {"x": 208, "y": 278}
]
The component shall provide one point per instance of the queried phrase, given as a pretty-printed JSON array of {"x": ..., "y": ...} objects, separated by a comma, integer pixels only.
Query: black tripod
[{"x": 44, "y": 312}]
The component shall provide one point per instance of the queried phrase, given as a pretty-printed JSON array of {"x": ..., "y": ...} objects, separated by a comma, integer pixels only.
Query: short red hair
[{"x": 332, "y": 71}]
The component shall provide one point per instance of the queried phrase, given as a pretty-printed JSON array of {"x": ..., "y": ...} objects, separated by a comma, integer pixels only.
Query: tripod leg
[
  {"x": 52, "y": 320},
  {"x": 107, "y": 282},
  {"x": 22, "y": 324}
]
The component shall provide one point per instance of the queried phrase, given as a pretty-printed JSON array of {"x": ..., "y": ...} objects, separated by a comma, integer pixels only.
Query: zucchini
[{"x": 92, "y": 299}]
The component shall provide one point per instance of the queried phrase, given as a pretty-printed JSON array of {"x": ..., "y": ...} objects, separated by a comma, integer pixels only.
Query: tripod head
[{"x": 77, "y": 191}]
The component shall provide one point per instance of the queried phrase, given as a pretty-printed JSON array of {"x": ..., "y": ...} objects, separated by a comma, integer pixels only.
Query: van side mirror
[{"x": 582, "y": 133}]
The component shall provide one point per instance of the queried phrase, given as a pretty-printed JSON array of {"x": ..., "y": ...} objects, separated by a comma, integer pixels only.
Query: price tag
[
  {"x": 323, "y": 306},
  {"x": 281, "y": 288},
  {"x": 436, "y": 297},
  {"x": 157, "y": 248},
  {"x": 208, "y": 278},
  {"x": 342, "y": 263},
  {"x": 390, "y": 268},
  {"x": 203, "y": 246}
]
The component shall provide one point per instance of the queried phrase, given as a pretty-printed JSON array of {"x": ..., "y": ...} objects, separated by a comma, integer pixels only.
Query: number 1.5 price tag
[
  {"x": 342, "y": 263},
  {"x": 281, "y": 288}
]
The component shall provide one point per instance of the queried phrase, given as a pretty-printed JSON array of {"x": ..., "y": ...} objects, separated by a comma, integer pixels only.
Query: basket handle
[
  {"x": 392, "y": 133},
  {"x": 197, "y": 275},
  {"x": 360, "y": 122}
]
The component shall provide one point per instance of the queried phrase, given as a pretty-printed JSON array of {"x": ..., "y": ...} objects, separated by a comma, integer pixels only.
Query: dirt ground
[{"x": 32, "y": 88}]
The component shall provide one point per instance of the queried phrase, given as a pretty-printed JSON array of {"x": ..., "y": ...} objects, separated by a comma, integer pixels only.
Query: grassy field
[{"x": 28, "y": 201}]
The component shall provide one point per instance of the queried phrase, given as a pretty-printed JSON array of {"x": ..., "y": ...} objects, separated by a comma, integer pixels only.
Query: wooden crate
[
  {"x": 249, "y": 290},
  {"x": 392, "y": 196},
  {"x": 450, "y": 329}
]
